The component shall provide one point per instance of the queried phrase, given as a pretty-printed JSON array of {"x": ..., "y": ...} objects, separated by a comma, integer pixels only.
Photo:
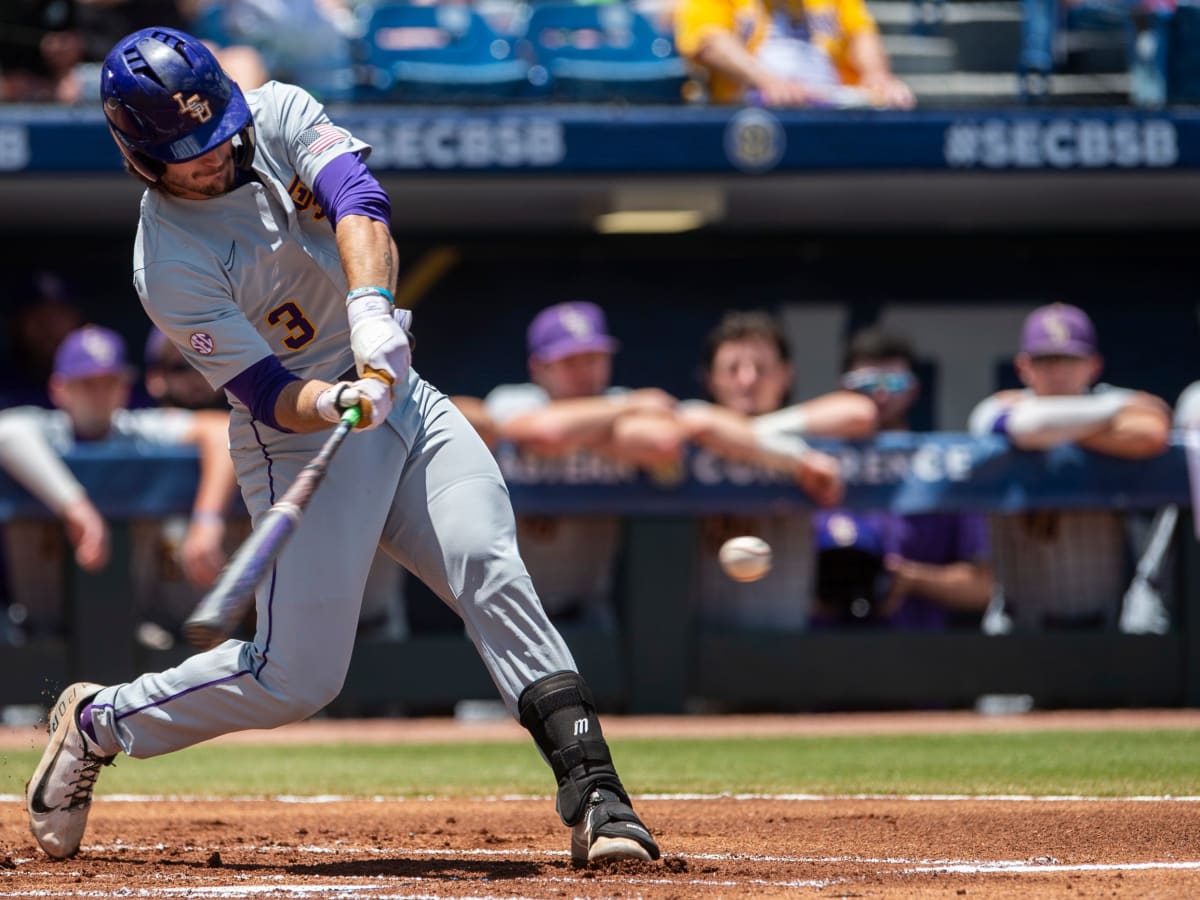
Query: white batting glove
[
  {"x": 372, "y": 396},
  {"x": 378, "y": 337}
]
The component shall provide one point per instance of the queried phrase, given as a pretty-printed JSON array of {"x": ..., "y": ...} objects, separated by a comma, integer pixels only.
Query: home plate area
[{"x": 714, "y": 846}]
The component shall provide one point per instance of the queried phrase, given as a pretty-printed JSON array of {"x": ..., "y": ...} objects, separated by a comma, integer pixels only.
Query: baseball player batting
[{"x": 264, "y": 253}]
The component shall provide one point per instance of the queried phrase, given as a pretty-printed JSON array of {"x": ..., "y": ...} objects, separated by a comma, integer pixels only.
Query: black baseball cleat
[
  {"x": 59, "y": 795},
  {"x": 610, "y": 829}
]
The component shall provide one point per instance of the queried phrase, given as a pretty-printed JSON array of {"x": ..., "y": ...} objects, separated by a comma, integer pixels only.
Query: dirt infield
[{"x": 713, "y": 846}]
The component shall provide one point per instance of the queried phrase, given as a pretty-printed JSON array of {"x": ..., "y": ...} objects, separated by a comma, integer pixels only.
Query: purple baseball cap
[
  {"x": 90, "y": 351},
  {"x": 568, "y": 328},
  {"x": 1058, "y": 330}
]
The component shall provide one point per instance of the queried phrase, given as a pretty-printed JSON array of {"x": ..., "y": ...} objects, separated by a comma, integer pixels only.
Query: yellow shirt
[{"x": 831, "y": 23}]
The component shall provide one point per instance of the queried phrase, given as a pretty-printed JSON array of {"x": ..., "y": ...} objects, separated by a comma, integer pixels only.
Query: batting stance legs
[{"x": 445, "y": 514}]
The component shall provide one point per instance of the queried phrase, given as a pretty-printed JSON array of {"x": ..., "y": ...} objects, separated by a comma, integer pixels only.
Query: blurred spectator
[
  {"x": 1066, "y": 569},
  {"x": 40, "y": 45},
  {"x": 796, "y": 53},
  {"x": 90, "y": 385},
  {"x": 42, "y": 315},
  {"x": 569, "y": 409},
  {"x": 928, "y": 571},
  {"x": 104, "y": 22},
  {"x": 306, "y": 42}
]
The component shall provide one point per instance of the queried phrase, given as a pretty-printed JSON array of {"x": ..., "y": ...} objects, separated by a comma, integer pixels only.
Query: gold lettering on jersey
[
  {"x": 193, "y": 106},
  {"x": 305, "y": 199}
]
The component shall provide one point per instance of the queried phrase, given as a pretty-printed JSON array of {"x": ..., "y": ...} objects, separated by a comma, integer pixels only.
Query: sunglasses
[{"x": 870, "y": 381}]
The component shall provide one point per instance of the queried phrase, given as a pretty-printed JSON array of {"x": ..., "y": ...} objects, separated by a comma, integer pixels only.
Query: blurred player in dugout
[
  {"x": 1066, "y": 570},
  {"x": 568, "y": 411},
  {"x": 90, "y": 387},
  {"x": 747, "y": 374},
  {"x": 925, "y": 572}
]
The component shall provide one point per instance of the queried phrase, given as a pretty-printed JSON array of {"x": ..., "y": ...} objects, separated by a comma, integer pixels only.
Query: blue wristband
[{"x": 363, "y": 291}]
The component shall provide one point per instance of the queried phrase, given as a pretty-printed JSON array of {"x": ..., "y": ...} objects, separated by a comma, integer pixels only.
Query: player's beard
[{"x": 206, "y": 183}]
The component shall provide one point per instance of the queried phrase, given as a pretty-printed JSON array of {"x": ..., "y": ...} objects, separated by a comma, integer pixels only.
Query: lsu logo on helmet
[{"x": 193, "y": 106}]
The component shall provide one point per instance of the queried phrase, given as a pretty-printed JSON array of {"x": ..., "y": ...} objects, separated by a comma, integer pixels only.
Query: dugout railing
[{"x": 662, "y": 660}]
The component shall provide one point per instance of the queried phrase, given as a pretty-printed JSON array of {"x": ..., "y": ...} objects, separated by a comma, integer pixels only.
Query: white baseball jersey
[
  {"x": 35, "y": 548},
  {"x": 255, "y": 272},
  {"x": 780, "y": 599},
  {"x": 570, "y": 558},
  {"x": 1066, "y": 568}
]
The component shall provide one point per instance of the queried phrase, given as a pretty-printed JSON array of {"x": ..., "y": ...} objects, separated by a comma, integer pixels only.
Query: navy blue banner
[
  {"x": 902, "y": 473},
  {"x": 602, "y": 139}
]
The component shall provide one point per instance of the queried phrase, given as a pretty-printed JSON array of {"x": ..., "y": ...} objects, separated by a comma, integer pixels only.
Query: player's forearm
[
  {"x": 565, "y": 425},
  {"x": 296, "y": 406},
  {"x": 841, "y": 414},
  {"x": 1039, "y": 423},
  {"x": 1134, "y": 433},
  {"x": 367, "y": 251},
  {"x": 963, "y": 586}
]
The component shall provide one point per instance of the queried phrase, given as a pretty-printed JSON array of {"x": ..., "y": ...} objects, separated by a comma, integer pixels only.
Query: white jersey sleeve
[
  {"x": 984, "y": 416},
  {"x": 163, "y": 427},
  {"x": 507, "y": 401},
  {"x": 27, "y": 455}
]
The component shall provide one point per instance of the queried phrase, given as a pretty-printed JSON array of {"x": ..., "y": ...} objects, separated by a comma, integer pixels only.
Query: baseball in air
[{"x": 745, "y": 558}]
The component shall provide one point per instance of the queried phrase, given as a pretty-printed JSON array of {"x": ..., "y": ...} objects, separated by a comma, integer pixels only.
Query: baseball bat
[{"x": 222, "y": 608}]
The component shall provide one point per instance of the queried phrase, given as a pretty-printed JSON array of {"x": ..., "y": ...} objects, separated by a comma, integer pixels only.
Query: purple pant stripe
[
  {"x": 123, "y": 715},
  {"x": 271, "y": 593}
]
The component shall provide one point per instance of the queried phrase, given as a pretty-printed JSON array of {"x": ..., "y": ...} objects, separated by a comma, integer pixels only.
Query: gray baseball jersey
[
  {"x": 255, "y": 272},
  {"x": 1068, "y": 567}
]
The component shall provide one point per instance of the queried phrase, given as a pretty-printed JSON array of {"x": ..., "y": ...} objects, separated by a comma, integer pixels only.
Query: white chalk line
[
  {"x": 677, "y": 798},
  {"x": 381, "y": 889}
]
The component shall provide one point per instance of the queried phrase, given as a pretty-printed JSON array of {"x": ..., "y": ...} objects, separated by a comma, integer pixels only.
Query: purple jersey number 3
[{"x": 300, "y": 330}]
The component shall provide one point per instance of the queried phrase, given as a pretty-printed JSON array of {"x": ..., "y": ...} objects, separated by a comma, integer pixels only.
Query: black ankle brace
[{"x": 559, "y": 712}]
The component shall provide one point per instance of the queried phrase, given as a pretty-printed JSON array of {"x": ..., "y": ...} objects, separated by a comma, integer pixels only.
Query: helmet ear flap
[{"x": 243, "y": 147}]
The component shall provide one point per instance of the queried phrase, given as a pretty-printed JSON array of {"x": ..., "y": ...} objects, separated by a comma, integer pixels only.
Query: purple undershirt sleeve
[
  {"x": 345, "y": 187},
  {"x": 1000, "y": 426},
  {"x": 259, "y": 386}
]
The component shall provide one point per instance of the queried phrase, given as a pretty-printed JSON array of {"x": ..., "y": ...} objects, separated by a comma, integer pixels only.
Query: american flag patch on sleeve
[{"x": 321, "y": 137}]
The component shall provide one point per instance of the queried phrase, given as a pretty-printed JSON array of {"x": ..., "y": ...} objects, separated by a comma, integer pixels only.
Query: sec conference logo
[
  {"x": 754, "y": 140},
  {"x": 202, "y": 343}
]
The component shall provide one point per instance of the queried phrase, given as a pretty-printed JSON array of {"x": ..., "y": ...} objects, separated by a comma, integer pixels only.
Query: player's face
[
  {"x": 90, "y": 401},
  {"x": 578, "y": 375},
  {"x": 748, "y": 375},
  {"x": 1058, "y": 376},
  {"x": 890, "y": 383},
  {"x": 210, "y": 175}
]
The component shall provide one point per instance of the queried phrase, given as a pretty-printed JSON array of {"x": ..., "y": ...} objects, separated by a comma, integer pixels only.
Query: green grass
[{"x": 1101, "y": 763}]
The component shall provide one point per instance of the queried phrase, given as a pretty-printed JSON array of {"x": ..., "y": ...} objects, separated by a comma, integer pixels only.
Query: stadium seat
[
  {"x": 436, "y": 53},
  {"x": 602, "y": 52},
  {"x": 1183, "y": 55}
]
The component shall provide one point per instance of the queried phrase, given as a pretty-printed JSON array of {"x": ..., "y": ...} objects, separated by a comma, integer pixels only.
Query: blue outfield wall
[{"x": 607, "y": 139}]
